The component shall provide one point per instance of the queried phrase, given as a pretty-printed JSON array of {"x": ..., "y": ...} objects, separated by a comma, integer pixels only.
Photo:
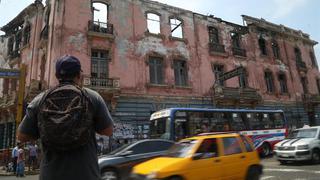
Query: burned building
[{"x": 142, "y": 56}]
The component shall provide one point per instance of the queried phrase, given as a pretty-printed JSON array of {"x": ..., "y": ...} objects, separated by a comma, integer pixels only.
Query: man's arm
[{"x": 107, "y": 131}]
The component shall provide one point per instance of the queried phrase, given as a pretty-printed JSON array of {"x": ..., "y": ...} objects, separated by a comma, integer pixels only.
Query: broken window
[
  {"x": 297, "y": 53},
  {"x": 26, "y": 34},
  {"x": 100, "y": 12},
  {"x": 235, "y": 40},
  {"x": 218, "y": 71},
  {"x": 213, "y": 35},
  {"x": 275, "y": 49},
  {"x": 262, "y": 46},
  {"x": 176, "y": 28},
  {"x": 313, "y": 59},
  {"x": 304, "y": 84},
  {"x": 99, "y": 68},
  {"x": 153, "y": 23},
  {"x": 156, "y": 70},
  {"x": 243, "y": 79},
  {"x": 18, "y": 41},
  {"x": 269, "y": 81},
  {"x": 10, "y": 45},
  {"x": 283, "y": 83},
  {"x": 180, "y": 72}
]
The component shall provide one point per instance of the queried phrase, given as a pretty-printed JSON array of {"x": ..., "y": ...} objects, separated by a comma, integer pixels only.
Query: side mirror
[
  {"x": 126, "y": 153},
  {"x": 197, "y": 156}
]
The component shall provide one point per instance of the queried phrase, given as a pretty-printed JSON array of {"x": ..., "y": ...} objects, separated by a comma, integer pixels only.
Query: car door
[
  {"x": 206, "y": 163},
  {"x": 233, "y": 158}
]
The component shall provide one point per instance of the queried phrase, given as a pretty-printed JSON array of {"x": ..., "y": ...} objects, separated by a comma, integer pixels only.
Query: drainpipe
[{"x": 49, "y": 57}]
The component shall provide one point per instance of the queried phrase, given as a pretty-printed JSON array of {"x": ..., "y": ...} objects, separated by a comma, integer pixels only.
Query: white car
[{"x": 302, "y": 144}]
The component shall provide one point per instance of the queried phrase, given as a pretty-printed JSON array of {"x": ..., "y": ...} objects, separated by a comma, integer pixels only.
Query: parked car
[
  {"x": 302, "y": 144},
  {"x": 118, "y": 164},
  {"x": 209, "y": 156}
]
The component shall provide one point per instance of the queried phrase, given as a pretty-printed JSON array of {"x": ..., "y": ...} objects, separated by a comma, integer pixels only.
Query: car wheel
[
  {"x": 253, "y": 173},
  {"x": 266, "y": 150},
  {"x": 109, "y": 174},
  {"x": 315, "y": 157},
  {"x": 283, "y": 162}
]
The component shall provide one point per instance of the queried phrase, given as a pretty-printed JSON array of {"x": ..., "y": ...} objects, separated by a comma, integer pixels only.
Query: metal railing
[
  {"x": 239, "y": 52},
  {"x": 105, "y": 82},
  {"x": 214, "y": 47},
  {"x": 101, "y": 27}
]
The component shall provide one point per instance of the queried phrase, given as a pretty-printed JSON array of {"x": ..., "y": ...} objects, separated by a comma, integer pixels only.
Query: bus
[{"x": 264, "y": 127}]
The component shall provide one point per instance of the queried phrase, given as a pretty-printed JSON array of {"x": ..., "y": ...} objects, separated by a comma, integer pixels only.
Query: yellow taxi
[{"x": 229, "y": 156}]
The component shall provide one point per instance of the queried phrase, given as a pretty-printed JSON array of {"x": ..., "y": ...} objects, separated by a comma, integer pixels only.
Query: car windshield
[
  {"x": 304, "y": 133},
  {"x": 181, "y": 149}
]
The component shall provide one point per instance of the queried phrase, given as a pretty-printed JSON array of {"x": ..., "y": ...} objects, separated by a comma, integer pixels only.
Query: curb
[{"x": 26, "y": 173}]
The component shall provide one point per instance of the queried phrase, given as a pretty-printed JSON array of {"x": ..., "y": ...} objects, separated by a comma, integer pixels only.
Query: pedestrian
[
  {"x": 20, "y": 162},
  {"x": 33, "y": 154},
  {"x": 66, "y": 118},
  {"x": 14, "y": 155}
]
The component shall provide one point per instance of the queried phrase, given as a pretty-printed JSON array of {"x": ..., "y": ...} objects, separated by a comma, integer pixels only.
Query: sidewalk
[{"x": 5, "y": 173}]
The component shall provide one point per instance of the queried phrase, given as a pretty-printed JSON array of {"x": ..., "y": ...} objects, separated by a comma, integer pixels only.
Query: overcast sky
[{"x": 297, "y": 14}]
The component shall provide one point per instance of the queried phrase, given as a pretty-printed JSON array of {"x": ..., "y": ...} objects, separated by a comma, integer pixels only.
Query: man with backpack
[{"x": 66, "y": 118}]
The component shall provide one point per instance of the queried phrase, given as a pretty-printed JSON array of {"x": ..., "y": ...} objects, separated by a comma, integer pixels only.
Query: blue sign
[{"x": 9, "y": 74}]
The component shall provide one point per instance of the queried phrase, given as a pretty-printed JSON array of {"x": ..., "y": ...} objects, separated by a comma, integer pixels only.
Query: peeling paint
[{"x": 76, "y": 41}]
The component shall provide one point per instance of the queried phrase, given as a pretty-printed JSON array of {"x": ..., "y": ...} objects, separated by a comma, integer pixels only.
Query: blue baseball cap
[{"x": 67, "y": 65}]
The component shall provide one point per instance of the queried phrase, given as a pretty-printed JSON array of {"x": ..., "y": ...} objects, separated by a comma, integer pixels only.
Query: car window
[
  {"x": 231, "y": 146},
  {"x": 140, "y": 148},
  {"x": 208, "y": 148},
  {"x": 247, "y": 144},
  {"x": 155, "y": 146}
]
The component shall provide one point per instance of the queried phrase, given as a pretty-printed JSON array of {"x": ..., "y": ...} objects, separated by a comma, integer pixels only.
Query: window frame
[
  {"x": 213, "y": 35},
  {"x": 156, "y": 69},
  {"x": 283, "y": 83},
  {"x": 263, "y": 46},
  {"x": 148, "y": 20},
  {"x": 216, "y": 72},
  {"x": 269, "y": 80},
  {"x": 93, "y": 11},
  {"x": 275, "y": 49},
  {"x": 181, "y": 26},
  {"x": 180, "y": 67},
  {"x": 236, "y": 40}
]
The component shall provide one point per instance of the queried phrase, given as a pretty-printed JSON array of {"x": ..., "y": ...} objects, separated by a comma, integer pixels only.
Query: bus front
[{"x": 160, "y": 123}]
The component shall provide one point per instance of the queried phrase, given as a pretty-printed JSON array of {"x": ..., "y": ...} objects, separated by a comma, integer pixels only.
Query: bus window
[
  {"x": 278, "y": 120},
  {"x": 159, "y": 128},
  {"x": 254, "y": 120},
  {"x": 219, "y": 122},
  {"x": 237, "y": 123},
  {"x": 265, "y": 121}
]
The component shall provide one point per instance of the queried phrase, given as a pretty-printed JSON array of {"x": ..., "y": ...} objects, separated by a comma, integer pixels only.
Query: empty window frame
[
  {"x": 100, "y": 12},
  {"x": 18, "y": 39},
  {"x": 180, "y": 72},
  {"x": 275, "y": 49},
  {"x": 153, "y": 23},
  {"x": 156, "y": 70},
  {"x": 213, "y": 35},
  {"x": 235, "y": 40},
  {"x": 176, "y": 28},
  {"x": 218, "y": 70},
  {"x": 269, "y": 81},
  {"x": 10, "y": 45},
  {"x": 283, "y": 83},
  {"x": 262, "y": 46},
  {"x": 297, "y": 54}
]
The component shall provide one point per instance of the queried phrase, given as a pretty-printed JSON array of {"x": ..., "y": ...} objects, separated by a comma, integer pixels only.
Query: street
[{"x": 272, "y": 171}]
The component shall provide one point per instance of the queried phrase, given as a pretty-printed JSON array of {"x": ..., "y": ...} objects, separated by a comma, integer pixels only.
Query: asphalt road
[{"x": 272, "y": 171}]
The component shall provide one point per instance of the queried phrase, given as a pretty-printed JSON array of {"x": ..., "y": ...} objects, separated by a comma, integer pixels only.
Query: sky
[{"x": 302, "y": 15}]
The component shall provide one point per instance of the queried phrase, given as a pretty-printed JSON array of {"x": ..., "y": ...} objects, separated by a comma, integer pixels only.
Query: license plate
[{"x": 285, "y": 155}]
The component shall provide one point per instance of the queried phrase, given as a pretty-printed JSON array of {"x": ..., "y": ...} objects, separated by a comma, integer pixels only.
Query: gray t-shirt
[{"x": 80, "y": 164}]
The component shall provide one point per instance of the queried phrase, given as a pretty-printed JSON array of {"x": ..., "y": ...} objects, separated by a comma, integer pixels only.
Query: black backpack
[{"x": 64, "y": 119}]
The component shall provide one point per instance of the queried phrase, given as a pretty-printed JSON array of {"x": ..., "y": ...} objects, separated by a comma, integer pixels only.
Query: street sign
[
  {"x": 228, "y": 75},
  {"x": 9, "y": 73}
]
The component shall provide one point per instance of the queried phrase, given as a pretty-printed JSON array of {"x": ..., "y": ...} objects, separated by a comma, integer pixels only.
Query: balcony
[
  {"x": 100, "y": 27},
  {"x": 214, "y": 47},
  {"x": 239, "y": 52},
  {"x": 230, "y": 95},
  {"x": 301, "y": 66},
  {"x": 103, "y": 85}
]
